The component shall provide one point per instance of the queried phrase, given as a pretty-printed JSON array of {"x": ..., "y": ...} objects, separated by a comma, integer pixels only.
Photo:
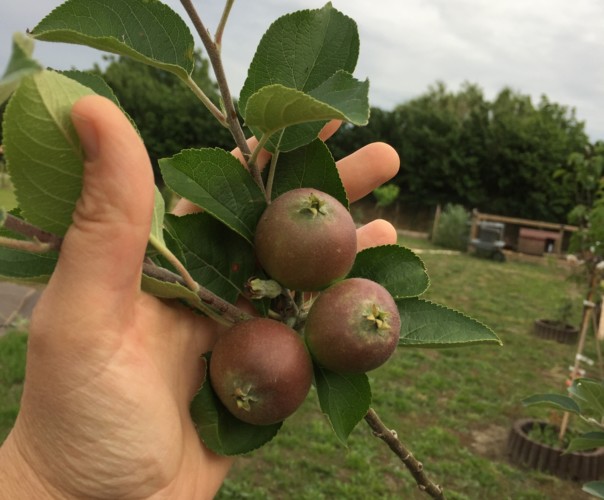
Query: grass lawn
[{"x": 452, "y": 407}]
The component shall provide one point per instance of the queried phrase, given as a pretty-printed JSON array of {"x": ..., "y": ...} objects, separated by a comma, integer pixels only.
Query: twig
[
  {"x": 219, "y": 307},
  {"x": 52, "y": 241},
  {"x": 213, "y": 51},
  {"x": 216, "y": 61},
  {"x": 232, "y": 313},
  {"x": 33, "y": 246},
  {"x": 400, "y": 450},
  {"x": 222, "y": 23}
]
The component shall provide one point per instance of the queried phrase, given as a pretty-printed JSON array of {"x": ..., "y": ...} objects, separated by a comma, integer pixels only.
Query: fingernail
[{"x": 88, "y": 135}]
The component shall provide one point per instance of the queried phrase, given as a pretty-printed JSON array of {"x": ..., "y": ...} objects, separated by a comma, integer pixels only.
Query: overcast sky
[{"x": 552, "y": 47}]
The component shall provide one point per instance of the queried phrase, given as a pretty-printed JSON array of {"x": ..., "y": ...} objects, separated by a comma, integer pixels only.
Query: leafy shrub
[
  {"x": 453, "y": 228},
  {"x": 386, "y": 194}
]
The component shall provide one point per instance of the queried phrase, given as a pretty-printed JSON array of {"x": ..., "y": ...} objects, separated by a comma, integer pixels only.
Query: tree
[
  {"x": 165, "y": 110},
  {"x": 528, "y": 145},
  {"x": 441, "y": 140},
  {"x": 496, "y": 156},
  {"x": 350, "y": 137}
]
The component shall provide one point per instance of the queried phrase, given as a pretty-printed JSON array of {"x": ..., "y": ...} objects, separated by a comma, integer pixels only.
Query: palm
[{"x": 141, "y": 376}]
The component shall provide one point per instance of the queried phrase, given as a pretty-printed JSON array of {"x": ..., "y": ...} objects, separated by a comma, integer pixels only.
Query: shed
[{"x": 537, "y": 241}]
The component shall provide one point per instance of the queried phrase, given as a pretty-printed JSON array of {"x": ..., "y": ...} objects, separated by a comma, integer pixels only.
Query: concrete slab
[{"x": 16, "y": 303}]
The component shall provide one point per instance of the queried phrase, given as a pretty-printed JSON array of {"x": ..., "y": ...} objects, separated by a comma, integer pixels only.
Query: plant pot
[
  {"x": 577, "y": 466},
  {"x": 554, "y": 330}
]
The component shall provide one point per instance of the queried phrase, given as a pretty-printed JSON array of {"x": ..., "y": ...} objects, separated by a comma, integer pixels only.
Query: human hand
[{"x": 111, "y": 370}]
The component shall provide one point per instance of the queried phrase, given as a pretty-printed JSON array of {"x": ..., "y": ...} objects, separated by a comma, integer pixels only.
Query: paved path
[{"x": 16, "y": 304}]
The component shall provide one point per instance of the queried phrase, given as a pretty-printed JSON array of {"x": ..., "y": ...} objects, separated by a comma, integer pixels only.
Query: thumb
[{"x": 103, "y": 250}]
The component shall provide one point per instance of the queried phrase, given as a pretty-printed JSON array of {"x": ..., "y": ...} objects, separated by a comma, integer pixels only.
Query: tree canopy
[{"x": 498, "y": 156}]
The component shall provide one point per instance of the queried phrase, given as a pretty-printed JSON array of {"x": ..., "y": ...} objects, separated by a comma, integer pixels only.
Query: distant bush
[
  {"x": 386, "y": 194},
  {"x": 453, "y": 228}
]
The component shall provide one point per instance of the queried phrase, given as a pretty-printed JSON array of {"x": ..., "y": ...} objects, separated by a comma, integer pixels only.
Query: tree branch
[
  {"x": 400, "y": 450},
  {"x": 44, "y": 241},
  {"x": 223, "y": 19},
  {"x": 52, "y": 241},
  {"x": 230, "y": 312},
  {"x": 232, "y": 119}
]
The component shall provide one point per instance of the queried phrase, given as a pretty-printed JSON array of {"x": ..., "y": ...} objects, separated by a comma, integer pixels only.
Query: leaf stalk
[
  {"x": 190, "y": 283},
  {"x": 217, "y": 113}
]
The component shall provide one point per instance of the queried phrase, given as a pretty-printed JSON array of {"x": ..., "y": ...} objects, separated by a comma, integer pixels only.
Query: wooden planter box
[
  {"x": 577, "y": 466},
  {"x": 553, "y": 330}
]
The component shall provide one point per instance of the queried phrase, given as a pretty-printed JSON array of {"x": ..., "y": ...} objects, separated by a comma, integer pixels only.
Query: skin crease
[{"x": 111, "y": 370}]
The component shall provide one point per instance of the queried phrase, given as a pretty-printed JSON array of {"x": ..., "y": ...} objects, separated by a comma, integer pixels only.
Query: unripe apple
[
  {"x": 353, "y": 326},
  {"x": 261, "y": 371},
  {"x": 306, "y": 240}
]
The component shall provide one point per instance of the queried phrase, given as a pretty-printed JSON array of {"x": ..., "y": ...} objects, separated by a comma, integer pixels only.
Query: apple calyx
[
  {"x": 244, "y": 398},
  {"x": 379, "y": 317},
  {"x": 314, "y": 205}
]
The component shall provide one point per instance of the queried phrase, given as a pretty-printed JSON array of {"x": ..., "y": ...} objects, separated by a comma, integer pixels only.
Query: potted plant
[
  {"x": 578, "y": 456},
  {"x": 558, "y": 327}
]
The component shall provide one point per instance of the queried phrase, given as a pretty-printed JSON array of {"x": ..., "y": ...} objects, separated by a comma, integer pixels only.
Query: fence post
[{"x": 435, "y": 223}]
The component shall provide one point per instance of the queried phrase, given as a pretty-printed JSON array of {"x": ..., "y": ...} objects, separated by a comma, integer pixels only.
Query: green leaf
[
  {"x": 145, "y": 30},
  {"x": 26, "y": 267},
  {"x": 217, "y": 258},
  {"x": 99, "y": 86},
  {"x": 42, "y": 149},
  {"x": 301, "y": 51},
  {"x": 589, "y": 393},
  {"x": 345, "y": 399},
  {"x": 557, "y": 401},
  {"x": 276, "y": 107},
  {"x": 396, "y": 268},
  {"x": 425, "y": 324},
  {"x": 347, "y": 94},
  {"x": 311, "y": 166},
  {"x": 19, "y": 66},
  {"x": 595, "y": 488},
  {"x": 157, "y": 221},
  {"x": 216, "y": 181},
  {"x": 221, "y": 431},
  {"x": 94, "y": 82},
  {"x": 587, "y": 441},
  {"x": 167, "y": 290}
]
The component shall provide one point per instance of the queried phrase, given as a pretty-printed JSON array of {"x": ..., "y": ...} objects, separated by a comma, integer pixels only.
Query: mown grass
[
  {"x": 452, "y": 407},
  {"x": 12, "y": 373}
]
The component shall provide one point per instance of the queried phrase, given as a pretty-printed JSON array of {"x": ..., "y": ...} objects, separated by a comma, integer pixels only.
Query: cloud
[{"x": 552, "y": 47}]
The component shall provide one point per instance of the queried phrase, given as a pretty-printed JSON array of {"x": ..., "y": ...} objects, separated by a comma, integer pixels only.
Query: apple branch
[
  {"x": 218, "y": 306},
  {"x": 51, "y": 241},
  {"x": 400, "y": 450},
  {"x": 34, "y": 246},
  {"x": 213, "y": 52},
  {"x": 223, "y": 19}
]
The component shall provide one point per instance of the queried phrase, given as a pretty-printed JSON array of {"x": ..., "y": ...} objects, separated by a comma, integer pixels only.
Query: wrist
[{"x": 18, "y": 479}]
